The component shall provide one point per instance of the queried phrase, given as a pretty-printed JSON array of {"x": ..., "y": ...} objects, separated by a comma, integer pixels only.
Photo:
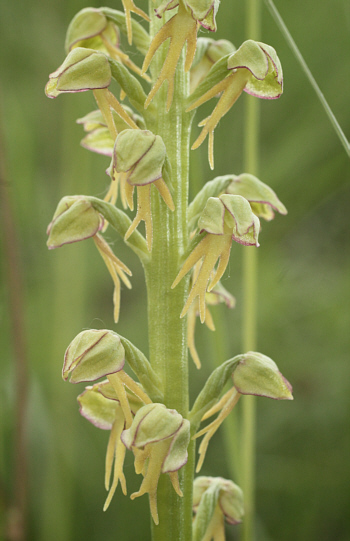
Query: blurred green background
[{"x": 303, "y": 467}]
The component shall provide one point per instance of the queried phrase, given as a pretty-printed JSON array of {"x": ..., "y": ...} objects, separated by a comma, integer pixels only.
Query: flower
[
  {"x": 83, "y": 69},
  {"x": 159, "y": 438},
  {"x": 215, "y": 500},
  {"x": 224, "y": 218},
  {"x": 110, "y": 405},
  {"x": 138, "y": 160},
  {"x": 92, "y": 29},
  {"x": 75, "y": 219},
  {"x": 254, "y": 68},
  {"x": 100, "y": 405},
  {"x": 92, "y": 355},
  {"x": 254, "y": 374},
  {"x": 180, "y": 29}
]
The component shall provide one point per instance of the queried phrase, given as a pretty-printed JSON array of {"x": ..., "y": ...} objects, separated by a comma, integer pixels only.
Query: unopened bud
[
  {"x": 83, "y": 69},
  {"x": 92, "y": 355},
  {"x": 75, "y": 219},
  {"x": 141, "y": 155}
]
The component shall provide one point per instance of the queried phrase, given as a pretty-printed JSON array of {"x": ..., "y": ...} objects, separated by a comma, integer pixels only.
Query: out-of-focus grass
[{"x": 303, "y": 447}]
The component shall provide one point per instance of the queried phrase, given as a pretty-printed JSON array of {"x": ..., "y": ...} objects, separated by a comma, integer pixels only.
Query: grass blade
[{"x": 280, "y": 23}]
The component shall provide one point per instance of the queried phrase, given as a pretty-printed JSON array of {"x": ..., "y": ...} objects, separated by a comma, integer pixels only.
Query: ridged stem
[{"x": 167, "y": 332}]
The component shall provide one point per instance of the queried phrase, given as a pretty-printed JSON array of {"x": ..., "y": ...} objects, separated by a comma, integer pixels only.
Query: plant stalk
[
  {"x": 249, "y": 342},
  {"x": 167, "y": 332}
]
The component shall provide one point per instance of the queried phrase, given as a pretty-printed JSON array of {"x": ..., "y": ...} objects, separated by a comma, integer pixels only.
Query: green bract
[
  {"x": 141, "y": 154},
  {"x": 261, "y": 60},
  {"x": 92, "y": 355},
  {"x": 75, "y": 219},
  {"x": 257, "y": 374},
  {"x": 83, "y": 69}
]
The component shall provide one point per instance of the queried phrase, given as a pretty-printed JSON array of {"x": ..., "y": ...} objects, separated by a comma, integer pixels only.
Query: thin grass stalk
[
  {"x": 249, "y": 329},
  {"x": 295, "y": 50}
]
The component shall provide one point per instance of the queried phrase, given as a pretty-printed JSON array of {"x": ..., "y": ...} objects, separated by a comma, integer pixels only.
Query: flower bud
[
  {"x": 230, "y": 213},
  {"x": 75, "y": 219},
  {"x": 100, "y": 405},
  {"x": 215, "y": 499},
  {"x": 151, "y": 424},
  {"x": 99, "y": 141},
  {"x": 204, "y": 11},
  {"x": 92, "y": 355},
  {"x": 99, "y": 138},
  {"x": 257, "y": 374},
  {"x": 141, "y": 155},
  {"x": 98, "y": 409},
  {"x": 208, "y": 52},
  {"x": 83, "y": 69},
  {"x": 229, "y": 496},
  {"x": 261, "y": 197},
  {"x": 266, "y": 80},
  {"x": 86, "y": 24}
]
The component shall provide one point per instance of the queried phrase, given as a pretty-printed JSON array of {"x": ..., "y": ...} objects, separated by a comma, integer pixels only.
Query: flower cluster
[{"x": 157, "y": 436}]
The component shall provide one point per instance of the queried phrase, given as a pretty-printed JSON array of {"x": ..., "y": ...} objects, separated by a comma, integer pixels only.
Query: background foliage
[{"x": 303, "y": 447}]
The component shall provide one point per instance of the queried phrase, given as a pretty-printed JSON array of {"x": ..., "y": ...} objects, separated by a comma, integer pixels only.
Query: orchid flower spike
[
  {"x": 254, "y": 68},
  {"x": 91, "y": 28},
  {"x": 216, "y": 296},
  {"x": 159, "y": 438},
  {"x": 255, "y": 374},
  {"x": 224, "y": 218},
  {"x": 215, "y": 500},
  {"x": 75, "y": 219},
  {"x": 138, "y": 160}
]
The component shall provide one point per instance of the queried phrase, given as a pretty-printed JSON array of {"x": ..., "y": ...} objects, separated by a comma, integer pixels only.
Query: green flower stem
[
  {"x": 251, "y": 145},
  {"x": 167, "y": 332}
]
